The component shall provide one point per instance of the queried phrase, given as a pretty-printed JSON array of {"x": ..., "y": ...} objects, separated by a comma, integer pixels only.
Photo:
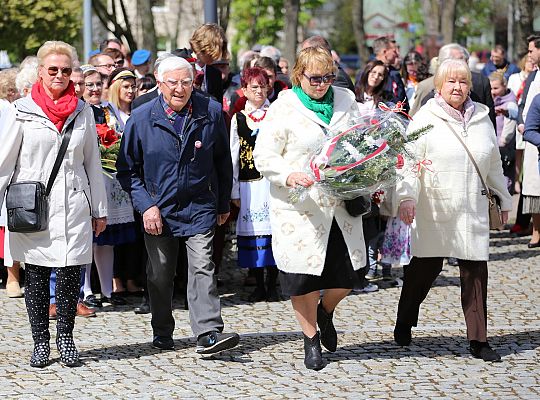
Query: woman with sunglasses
[
  {"x": 316, "y": 244},
  {"x": 77, "y": 203}
]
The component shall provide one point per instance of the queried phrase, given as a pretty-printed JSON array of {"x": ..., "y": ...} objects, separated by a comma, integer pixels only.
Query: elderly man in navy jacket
[{"x": 175, "y": 162}]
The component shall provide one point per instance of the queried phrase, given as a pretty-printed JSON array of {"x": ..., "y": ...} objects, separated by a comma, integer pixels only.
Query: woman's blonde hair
[
  {"x": 210, "y": 39},
  {"x": 57, "y": 47},
  {"x": 312, "y": 57},
  {"x": 449, "y": 67},
  {"x": 498, "y": 76},
  {"x": 7, "y": 82},
  {"x": 115, "y": 82}
]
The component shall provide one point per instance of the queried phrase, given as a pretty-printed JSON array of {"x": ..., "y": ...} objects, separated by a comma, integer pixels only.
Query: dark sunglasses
[
  {"x": 316, "y": 80},
  {"x": 53, "y": 71},
  {"x": 119, "y": 63}
]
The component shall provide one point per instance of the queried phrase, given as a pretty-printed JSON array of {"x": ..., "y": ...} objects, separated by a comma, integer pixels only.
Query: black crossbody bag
[{"x": 27, "y": 202}]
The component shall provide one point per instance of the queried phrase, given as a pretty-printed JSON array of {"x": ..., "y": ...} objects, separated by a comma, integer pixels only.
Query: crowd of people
[{"x": 166, "y": 154}]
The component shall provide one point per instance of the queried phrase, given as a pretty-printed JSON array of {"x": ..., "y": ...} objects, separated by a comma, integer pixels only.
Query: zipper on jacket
[{"x": 88, "y": 201}]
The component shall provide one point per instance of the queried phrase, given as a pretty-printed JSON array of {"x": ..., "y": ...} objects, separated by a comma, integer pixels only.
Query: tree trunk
[
  {"x": 149, "y": 42},
  {"x": 292, "y": 9},
  {"x": 448, "y": 20},
  {"x": 224, "y": 13},
  {"x": 358, "y": 29},
  {"x": 524, "y": 24},
  {"x": 432, "y": 20}
]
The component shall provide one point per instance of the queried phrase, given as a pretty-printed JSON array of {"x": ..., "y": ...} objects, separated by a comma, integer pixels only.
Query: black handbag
[{"x": 27, "y": 202}]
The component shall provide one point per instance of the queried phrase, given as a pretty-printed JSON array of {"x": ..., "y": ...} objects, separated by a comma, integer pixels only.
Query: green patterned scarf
[{"x": 323, "y": 108}]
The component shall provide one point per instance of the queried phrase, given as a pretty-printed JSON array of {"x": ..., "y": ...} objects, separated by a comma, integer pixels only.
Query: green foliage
[
  {"x": 26, "y": 24},
  {"x": 261, "y": 21},
  {"x": 411, "y": 12},
  {"x": 473, "y": 18},
  {"x": 342, "y": 37}
]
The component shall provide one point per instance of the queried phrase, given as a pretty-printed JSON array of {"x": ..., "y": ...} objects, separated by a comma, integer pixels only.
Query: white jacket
[
  {"x": 30, "y": 145},
  {"x": 300, "y": 231},
  {"x": 451, "y": 212}
]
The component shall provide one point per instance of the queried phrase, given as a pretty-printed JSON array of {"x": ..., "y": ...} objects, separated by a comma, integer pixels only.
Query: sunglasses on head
[
  {"x": 316, "y": 80},
  {"x": 53, "y": 71}
]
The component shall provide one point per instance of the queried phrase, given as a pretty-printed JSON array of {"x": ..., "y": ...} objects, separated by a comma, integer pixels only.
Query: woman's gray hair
[
  {"x": 447, "y": 52},
  {"x": 25, "y": 79},
  {"x": 448, "y": 67},
  {"x": 173, "y": 64}
]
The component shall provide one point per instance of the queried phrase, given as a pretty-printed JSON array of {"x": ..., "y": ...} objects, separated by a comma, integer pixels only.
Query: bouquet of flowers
[
  {"x": 109, "y": 146},
  {"x": 362, "y": 157}
]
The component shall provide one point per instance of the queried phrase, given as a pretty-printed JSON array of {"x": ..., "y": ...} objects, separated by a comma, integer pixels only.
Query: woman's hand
[
  {"x": 299, "y": 178},
  {"x": 152, "y": 221},
  {"x": 99, "y": 225},
  {"x": 236, "y": 202},
  {"x": 407, "y": 211},
  {"x": 222, "y": 218}
]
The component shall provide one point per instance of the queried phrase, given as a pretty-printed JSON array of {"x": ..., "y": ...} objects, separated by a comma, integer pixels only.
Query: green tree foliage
[
  {"x": 261, "y": 21},
  {"x": 26, "y": 24},
  {"x": 473, "y": 18},
  {"x": 342, "y": 37}
]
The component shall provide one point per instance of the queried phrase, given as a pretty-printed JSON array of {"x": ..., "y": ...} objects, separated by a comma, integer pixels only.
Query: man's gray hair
[
  {"x": 445, "y": 52},
  {"x": 172, "y": 64},
  {"x": 26, "y": 78},
  {"x": 162, "y": 57},
  {"x": 272, "y": 52}
]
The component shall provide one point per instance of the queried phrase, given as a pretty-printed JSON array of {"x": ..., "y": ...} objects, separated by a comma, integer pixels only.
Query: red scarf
[{"x": 59, "y": 111}]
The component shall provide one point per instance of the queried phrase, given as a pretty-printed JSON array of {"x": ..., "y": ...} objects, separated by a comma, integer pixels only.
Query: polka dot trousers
[{"x": 68, "y": 284}]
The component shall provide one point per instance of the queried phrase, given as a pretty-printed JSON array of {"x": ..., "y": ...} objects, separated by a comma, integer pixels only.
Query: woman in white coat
[
  {"x": 445, "y": 198},
  {"x": 32, "y": 134},
  {"x": 317, "y": 245}
]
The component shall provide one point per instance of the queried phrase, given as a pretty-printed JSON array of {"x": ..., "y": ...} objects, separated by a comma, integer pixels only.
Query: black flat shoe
[
  {"x": 313, "y": 353},
  {"x": 115, "y": 300},
  {"x": 163, "y": 342},
  {"x": 533, "y": 245},
  {"x": 143, "y": 308},
  {"x": 328, "y": 331},
  {"x": 272, "y": 295},
  {"x": 257, "y": 295},
  {"x": 402, "y": 334},
  {"x": 92, "y": 302},
  {"x": 484, "y": 351}
]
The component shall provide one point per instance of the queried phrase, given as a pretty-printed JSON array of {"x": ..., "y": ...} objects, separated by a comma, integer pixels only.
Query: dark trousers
[
  {"x": 202, "y": 293},
  {"x": 36, "y": 295},
  {"x": 420, "y": 274}
]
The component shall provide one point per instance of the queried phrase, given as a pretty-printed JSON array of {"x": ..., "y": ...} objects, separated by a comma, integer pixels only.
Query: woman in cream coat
[
  {"x": 312, "y": 240},
  {"x": 32, "y": 133},
  {"x": 444, "y": 196}
]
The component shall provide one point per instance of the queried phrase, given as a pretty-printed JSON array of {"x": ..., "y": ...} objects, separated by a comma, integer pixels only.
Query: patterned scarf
[
  {"x": 323, "y": 108},
  {"x": 57, "y": 112},
  {"x": 461, "y": 116}
]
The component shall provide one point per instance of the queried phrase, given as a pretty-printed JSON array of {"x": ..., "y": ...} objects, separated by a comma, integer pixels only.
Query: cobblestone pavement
[{"x": 119, "y": 361}]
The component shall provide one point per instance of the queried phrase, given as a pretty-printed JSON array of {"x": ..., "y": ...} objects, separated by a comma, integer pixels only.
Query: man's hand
[
  {"x": 99, "y": 225},
  {"x": 221, "y": 218},
  {"x": 407, "y": 211},
  {"x": 152, "y": 221}
]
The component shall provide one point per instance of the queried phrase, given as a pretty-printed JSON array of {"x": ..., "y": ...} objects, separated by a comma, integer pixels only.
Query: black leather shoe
[
  {"x": 313, "y": 353},
  {"x": 484, "y": 351},
  {"x": 533, "y": 245},
  {"x": 115, "y": 299},
  {"x": 402, "y": 334},
  {"x": 163, "y": 342},
  {"x": 259, "y": 294},
  {"x": 328, "y": 331},
  {"x": 143, "y": 308},
  {"x": 92, "y": 302},
  {"x": 272, "y": 295}
]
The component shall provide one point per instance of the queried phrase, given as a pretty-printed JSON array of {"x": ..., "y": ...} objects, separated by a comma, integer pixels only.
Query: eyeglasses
[
  {"x": 132, "y": 87},
  {"x": 317, "y": 80},
  {"x": 255, "y": 88},
  {"x": 53, "y": 71},
  {"x": 172, "y": 84},
  {"x": 108, "y": 66},
  {"x": 93, "y": 85},
  {"x": 119, "y": 63}
]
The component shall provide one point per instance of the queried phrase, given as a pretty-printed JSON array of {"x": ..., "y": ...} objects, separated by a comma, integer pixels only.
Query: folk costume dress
[{"x": 254, "y": 233}]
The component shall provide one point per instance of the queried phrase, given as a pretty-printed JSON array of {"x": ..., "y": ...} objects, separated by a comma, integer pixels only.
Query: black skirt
[{"x": 338, "y": 271}]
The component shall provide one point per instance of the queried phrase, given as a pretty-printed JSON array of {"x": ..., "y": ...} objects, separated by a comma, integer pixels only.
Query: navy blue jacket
[
  {"x": 189, "y": 181},
  {"x": 532, "y": 125},
  {"x": 394, "y": 89},
  {"x": 509, "y": 69}
]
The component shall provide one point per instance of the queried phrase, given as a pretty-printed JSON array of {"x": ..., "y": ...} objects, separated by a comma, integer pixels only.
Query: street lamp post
[
  {"x": 210, "y": 11},
  {"x": 87, "y": 30}
]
